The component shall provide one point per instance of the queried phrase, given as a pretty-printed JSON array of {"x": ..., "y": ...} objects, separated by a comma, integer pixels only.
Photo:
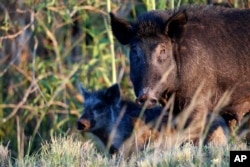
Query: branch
[{"x": 20, "y": 104}]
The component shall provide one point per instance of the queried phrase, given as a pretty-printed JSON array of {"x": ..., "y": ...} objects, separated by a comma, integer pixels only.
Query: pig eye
[
  {"x": 162, "y": 56},
  {"x": 162, "y": 51},
  {"x": 162, "y": 48}
]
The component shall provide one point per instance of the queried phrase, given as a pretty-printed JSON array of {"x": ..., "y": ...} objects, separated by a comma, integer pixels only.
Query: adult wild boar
[{"x": 178, "y": 51}]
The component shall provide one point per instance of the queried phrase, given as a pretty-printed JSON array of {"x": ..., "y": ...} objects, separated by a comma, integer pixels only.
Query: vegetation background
[{"x": 47, "y": 48}]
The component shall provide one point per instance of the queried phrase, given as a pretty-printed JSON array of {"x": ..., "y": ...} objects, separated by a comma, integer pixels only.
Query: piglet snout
[{"x": 83, "y": 124}]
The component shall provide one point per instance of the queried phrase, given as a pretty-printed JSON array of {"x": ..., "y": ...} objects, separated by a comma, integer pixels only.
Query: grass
[
  {"x": 47, "y": 48},
  {"x": 73, "y": 151}
]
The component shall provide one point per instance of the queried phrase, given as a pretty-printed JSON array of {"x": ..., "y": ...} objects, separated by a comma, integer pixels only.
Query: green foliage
[{"x": 48, "y": 49}]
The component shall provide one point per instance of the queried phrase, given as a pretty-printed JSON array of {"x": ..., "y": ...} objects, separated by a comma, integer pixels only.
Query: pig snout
[{"x": 83, "y": 124}]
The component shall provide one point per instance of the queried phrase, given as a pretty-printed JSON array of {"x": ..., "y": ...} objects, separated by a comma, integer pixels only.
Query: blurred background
[{"x": 47, "y": 48}]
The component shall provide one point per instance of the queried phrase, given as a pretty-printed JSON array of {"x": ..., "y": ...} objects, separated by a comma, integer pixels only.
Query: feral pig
[
  {"x": 114, "y": 120},
  {"x": 197, "y": 53}
]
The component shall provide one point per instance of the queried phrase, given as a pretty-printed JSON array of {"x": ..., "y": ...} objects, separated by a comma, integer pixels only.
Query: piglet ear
[
  {"x": 84, "y": 92},
  {"x": 121, "y": 29},
  {"x": 176, "y": 26},
  {"x": 112, "y": 94}
]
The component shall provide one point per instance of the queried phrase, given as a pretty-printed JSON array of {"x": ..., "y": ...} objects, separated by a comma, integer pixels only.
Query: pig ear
[
  {"x": 121, "y": 28},
  {"x": 176, "y": 25},
  {"x": 112, "y": 94},
  {"x": 84, "y": 92}
]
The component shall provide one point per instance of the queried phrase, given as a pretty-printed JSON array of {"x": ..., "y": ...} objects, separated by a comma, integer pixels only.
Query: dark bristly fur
[
  {"x": 102, "y": 111},
  {"x": 105, "y": 111},
  {"x": 199, "y": 46}
]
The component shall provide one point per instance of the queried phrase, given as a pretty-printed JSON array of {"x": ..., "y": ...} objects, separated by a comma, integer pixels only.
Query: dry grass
[
  {"x": 41, "y": 64},
  {"x": 72, "y": 151},
  {"x": 4, "y": 155}
]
